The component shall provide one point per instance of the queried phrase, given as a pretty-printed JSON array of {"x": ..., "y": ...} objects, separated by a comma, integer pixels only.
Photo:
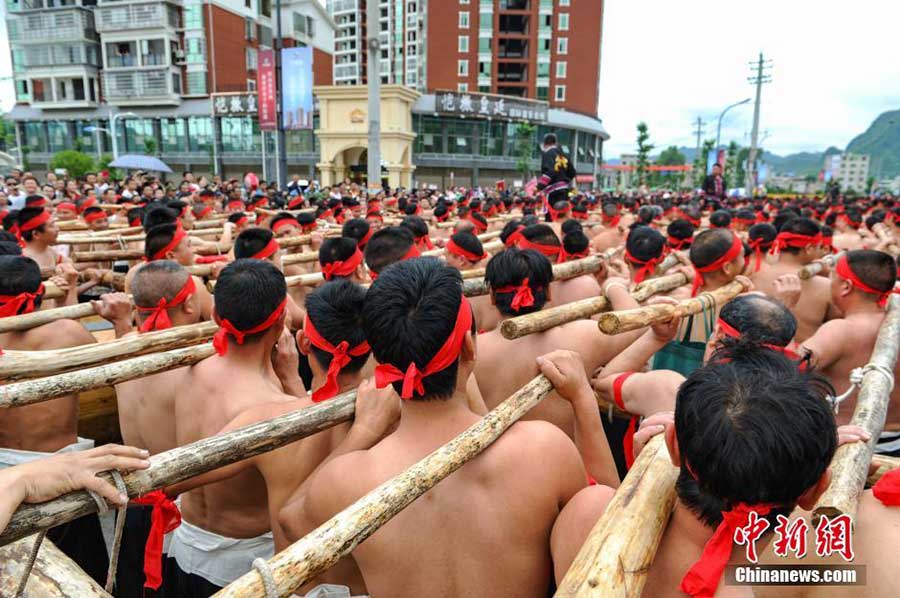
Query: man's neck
[
  {"x": 251, "y": 358},
  {"x": 36, "y": 246},
  {"x": 790, "y": 259},
  {"x": 856, "y": 306},
  {"x": 416, "y": 415},
  {"x": 346, "y": 382}
]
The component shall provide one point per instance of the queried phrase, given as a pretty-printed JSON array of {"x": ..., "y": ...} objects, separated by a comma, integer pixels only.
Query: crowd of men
[{"x": 743, "y": 393}]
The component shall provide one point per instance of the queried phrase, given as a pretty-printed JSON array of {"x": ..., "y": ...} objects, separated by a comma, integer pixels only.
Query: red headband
[
  {"x": 846, "y": 219},
  {"x": 455, "y": 249},
  {"x": 10, "y": 304},
  {"x": 297, "y": 201},
  {"x": 268, "y": 251},
  {"x": 375, "y": 216},
  {"x": 555, "y": 214},
  {"x": 235, "y": 204},
  {"x": 843, "y": 269},
  {"x": 226, "y": 328},
  {"x": 284, "y": 222},
  {"x": 424, "y": 242},
  {"x": 88, "y": 203},
  {"x": 786, "y": 239},
  {"x": 342, "y": 267},
  {"x": 340, "y": 357},
  {"x": 478, "y": 224},
  {"x": 412, "y": 253},
  {"x": 94, "y": 216},
  {"x": 551, "y": 251},
  {"x": 565, "y": 256},
  {"x": 513, "y": 239},
  {"x": 732, "y": 332},
  {"x": 206, "y": 210},
  {"x": 523, "y": 296},
  {"x": 159, "y": 316},
  {"x": 628, "y": 440},
  {"x": 66, "y": 205},
  {"x": 694, "y": 221},
  {"x": 326, "y": 214},
  {"x": 887, "y": 489},
  {"x": 362, "y": 242},
  {"x": 736, "y": 249},
  {"x": 610, "y": 220},
  {"x": 579, "y": 215},
  {"x": 747, "y": 221},
  {"x": 757, "y": 246},
  {"x": 35, "y": 222},
  {"x": 241, "y": 221},
  {"x": 135, "y": 221},
  {"x": 647, "y": 267},
  {"x": 171, "y": 245},
  {"x": 703, "y": 577},
  {"x": 676, "y": 243},
  {"x": 412, "y": 378}
]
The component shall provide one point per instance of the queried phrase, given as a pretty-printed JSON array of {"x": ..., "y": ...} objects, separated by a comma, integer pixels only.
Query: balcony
[
  {"x": 57, "y": 25},
  {"x": 513, "y": 24},
  {"x": 115, "y": 16},
  {"x": 25, "y": 5},
  {"x": 146, "y": 86}
]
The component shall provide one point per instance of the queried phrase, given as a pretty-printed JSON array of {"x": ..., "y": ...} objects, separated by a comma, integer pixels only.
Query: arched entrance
[{"x": 352, "y": 164}]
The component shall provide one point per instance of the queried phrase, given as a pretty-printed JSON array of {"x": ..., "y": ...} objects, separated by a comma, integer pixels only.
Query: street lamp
[
  {"x": 96, "y": 131},
  {"x": 719, "y": 128},
  {"x": 115, "y": 144}
]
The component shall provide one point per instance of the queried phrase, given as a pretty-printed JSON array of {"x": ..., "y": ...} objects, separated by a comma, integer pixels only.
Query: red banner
[{"x": 265, "y": 87}]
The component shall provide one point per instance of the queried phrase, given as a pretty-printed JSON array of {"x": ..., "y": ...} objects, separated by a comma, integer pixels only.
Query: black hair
[
  {"x": 783, "y": 216},
  {"x": 720, "y": 219},
  {"x": 306, "y": 218},
  {"x": 19, "y": 274},
  {"x": 178, "y": 206},
  {"x": 158, "y": 237},
  {"x": 156, "y": 280},
  {"x": 764, "y": 231},
  {"x": 335, "y": 309},
  {"x": 542, "y": 234},
  {"x": 26, "y": 214},
  {"x": 7, "y": 248},
  {"x": 468, "y": 241},
  {"x": 235, "y": 216},
  {"x": 509, "y": 228},
  {"x": 575, "y": 242},
  {"x": 760, "y": 319},
  {"x": 11, "y": 220},
  {"x": 509, "y": 268},
  {"x": 39, "y": 200},
  {"x": 550, "y": 139},
  {"x": 799, "y": 226},
  {"x": 356, "y": 229},
  {"x": 415, "y": 225},
  {"x": 279, "y": 217},
  {"x": 710, "y": 245},
  {"x": 570, "y": 226},
  {"x": 247, "y": 293},
  {"x": 745, "y": 214},
  {"x": 387, "y": 246},
  {"x": 133, "y": 213},
  {"x": 645, "y": 243},
  {"x": 156, "y": 214},
  {"x": 93, "y": 210},
  {"x": 645, "y": 215},
  {"x": 336, "y": 249},
  {"x": 753, "y": 428},
  {"x": 876, "y": 269},
  {"x": 680, "y": 229},
  {"x": 251, "y": 241},
  {"x": 440, "y": 210},
  {"x": 409, "y": 313}
]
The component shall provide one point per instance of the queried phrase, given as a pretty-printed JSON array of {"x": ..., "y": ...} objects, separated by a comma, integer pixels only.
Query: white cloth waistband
[
  {"x": 10, "y": 457},
  {"x": 217, "y": 559}
]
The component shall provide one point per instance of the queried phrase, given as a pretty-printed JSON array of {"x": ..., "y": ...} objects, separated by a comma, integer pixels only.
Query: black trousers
[
  {"x": 82, "y": 541},
  {"x": 179, "y": 584}
]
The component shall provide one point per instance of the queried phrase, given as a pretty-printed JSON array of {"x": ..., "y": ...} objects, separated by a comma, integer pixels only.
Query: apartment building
[{"x": 850, "y": 170}]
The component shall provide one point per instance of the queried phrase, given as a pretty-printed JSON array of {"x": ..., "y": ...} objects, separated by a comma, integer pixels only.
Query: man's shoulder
[
  {"x": 58, "y": 335},
  {"x": 537, "y": 437}
]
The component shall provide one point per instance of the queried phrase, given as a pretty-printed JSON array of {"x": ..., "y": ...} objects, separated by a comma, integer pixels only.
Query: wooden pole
[
  {"x": 614, "y": 560},
  {"x": 188, "y": 461},
  {"x": 307, "y": 257},
  {"x": 51, "y": 291},
  {"x": 54, "y": 575},
  {"x": 107, "y": 238},
  {"x": 28, "y": 392},
  {"x": 812, "y": 269},
  {"x": 20, "y": 365},
  {"x": 617, "y": 322},
  {"x": 884, "y": 464},
  {"x": 39, "y": 318},
  {"x": 670, "y": 261},
  {"x": 850, "y": 464},
  {"x": 301, "y": 280},
  {"x": 546, "y": 319},
  {"x": 337, "y": 537}
]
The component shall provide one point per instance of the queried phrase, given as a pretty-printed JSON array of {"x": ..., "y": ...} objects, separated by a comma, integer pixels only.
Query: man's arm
[
  {"x": 547, "y": 163},
  {"x": 827, "y": 344}
]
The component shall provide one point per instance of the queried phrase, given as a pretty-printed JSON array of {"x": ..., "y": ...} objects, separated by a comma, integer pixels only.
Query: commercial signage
[
  {"x": 234, "y": 104},
  {"x": 296, "y": 88},
  {"x": 480, "y": 105},
  {"x": 265, "y": 88}
]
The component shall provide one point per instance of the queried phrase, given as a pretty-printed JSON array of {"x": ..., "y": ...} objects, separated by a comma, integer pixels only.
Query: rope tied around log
[
  {"x": 262, "y": 567},
  {"x": 856, "y": 378},
  {"x": 102, "y": 508}
]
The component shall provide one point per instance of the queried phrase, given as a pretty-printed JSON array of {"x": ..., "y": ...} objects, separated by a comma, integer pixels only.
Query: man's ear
[
  {"x": 188, "y": 306},
  {"x": 303, "y": 344},
  {"x": 672, "y": 445},
  {"x": 809, "y": 498},
  {"x": 493, "y": 298},
  {"x": 468, "y": 351}
]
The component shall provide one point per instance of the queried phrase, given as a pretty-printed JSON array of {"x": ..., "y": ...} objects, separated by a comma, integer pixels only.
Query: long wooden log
[
  {"x": 38, "y": 390},
  {"x": 338, "y": 536},
  {"x": 812, "y": 269},
  {"x": 616, "y": 556},
  {"x": 107, "y": 238},
  {"x": 54, "y": 575},
  {"x": 617, "y": 322},
  {"x": 21, "y": 365},
  {"x": 188, "y": 461},
  {"x": 39, "y": 318},
  {"x": 306, "y": 257},
  {"x": 546, "y": 319},
  {"x": 51, "y": 291},
  {"x": 883, "y": 464},
  {"x": 850, "y": 464},
  {"x": 669, "y": 262}
]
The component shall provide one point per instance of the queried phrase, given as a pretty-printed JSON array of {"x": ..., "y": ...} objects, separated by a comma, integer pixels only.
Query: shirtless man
[
  {"x": 520, "y": 284},
  {"x": 35, "y": 431},
  {"x": 464, "y": 251},
  {"x": 39, "y": 231},
  {"x": 721, "y": 410},
  {"x": 644, "y": 251},
  {"x": 260, "y": 244},
  {"x": 389, "y": 245},
  {"x": 797, "y": 245},
  {"x": 541, "y": 238},
  {"x": 615, "y": 230},
  {"x": 846, "y": 231},
  {"x": 341, "y": 258},
  {"x": 516, "y": 486},
  {"x": 861, "y": 283}
]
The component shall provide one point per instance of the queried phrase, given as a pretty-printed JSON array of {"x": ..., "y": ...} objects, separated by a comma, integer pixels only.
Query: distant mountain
[
  {"x": 800, "y": 164},
  {"x": 881, "y": 141}
]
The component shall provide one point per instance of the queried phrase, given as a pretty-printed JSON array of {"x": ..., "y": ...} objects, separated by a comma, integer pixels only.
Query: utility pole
[
  {"x": 698, "y": 160},
  {"x": 759, "y": 77},
  {"x": 281, "y": 162},
  {"x": 373, "y": 72}
]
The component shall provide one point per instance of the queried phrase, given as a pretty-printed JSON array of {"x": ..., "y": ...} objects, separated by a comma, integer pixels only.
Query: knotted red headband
[
  {"x": 523, "y": 296},
  {"x": 703, "y": 577},
  {"x": 164, "y": 518},
  {"x": 676, "y": 243},
  {"x": 159, "y": 315},
  {"x": 843, "y": 269},
  {"x": 732, "y": 332},
  {"x": 555, "y": 214},
  {"x": 694, "y": 221},
  {"x": 424, "y": 242},
  {"x": 171, "y": 245},
  {"x": 846, "y": 220},
  {"x": 11, "y": 304},
  {"x": 412, "y": 377},
  {"x": 610, "y": 220},
  {"x": 342, "y": 267},
  {"x": 94, "y": 216},
  {"x": 551, "y": 251},
  {"x": 736, "y": 249},
  {"x": 565, "y": 256},
  {"x": 455, "y": 249},
  {"x": 799, "y": 240},
  {"x": 647, "y": 266},
  {"x": 340, "y": 357},
  {"x": 136, "y": 221},
  {"x": 362, "y": 242},
  {"x": 628, "y": 439},
  {"x": 283, "y": 223},
  {"x": 887, "y": 489},
  {"x": 757, "y": 246},
  {"x": 268, "y": 251},
  {"x": 35, "y": 221},
  {"x": 513, "y": 239},
  {"x": 226, "y": 328},
  {"x": 579, "y": 215},
  {"x": 478, "y": 224}
]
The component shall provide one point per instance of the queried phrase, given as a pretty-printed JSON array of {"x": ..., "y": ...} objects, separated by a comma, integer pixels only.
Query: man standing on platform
[
  {"x": 557, "y": 171},
  {"x": 714, "y": 184}
]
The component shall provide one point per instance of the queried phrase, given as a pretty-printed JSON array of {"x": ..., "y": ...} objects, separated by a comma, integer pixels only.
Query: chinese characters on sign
[
  {"x": 265, "y": 85},
  {"x": 489, "y": 106},
  {"x": 237, "y": 104},
  {"x": 832, "y": 536}
]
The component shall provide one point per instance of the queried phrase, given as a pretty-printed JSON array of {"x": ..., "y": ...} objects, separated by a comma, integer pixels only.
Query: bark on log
[
  {"x": 54, "y": 575},
  {"x": 670, "y": 261},
  {"x": 38, "y": 390},
  {"x": 337, "y": 537},
  {"x": 182, "y": 463},
  {"x": 546, "y": 319},
  {"x": 850, "y": 464},
  {"x": 616, "y": 556},
  {"x": 21, "y": 365},
  {"x": 301, "y": 280},
  {"x": 307, "y": 257},
  {"x": 475, "y": 287},
  {"x": 810, "y": 270},
  {"x": 617, "y": 322},
  {"x": 39, "y": 318}
]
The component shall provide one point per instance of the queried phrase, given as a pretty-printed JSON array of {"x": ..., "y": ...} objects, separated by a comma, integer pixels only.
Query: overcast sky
[{"x": 836, "y": 67}]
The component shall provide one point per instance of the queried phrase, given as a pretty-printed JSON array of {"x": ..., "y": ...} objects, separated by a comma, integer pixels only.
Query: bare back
[
  {"x": 147, "y": 410},
  {"x": 574, "y": 289},
  {"x": 812, "y": 308}
]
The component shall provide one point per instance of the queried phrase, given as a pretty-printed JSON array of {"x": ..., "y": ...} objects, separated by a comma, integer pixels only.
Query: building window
[
  {"x": 462, "y": 87},
  {"x": 484, "y": 45},
  {"x": 561, "y": 70},
  {"x": 249, "y": 28},
  {"x": 462, "y": 68},
  {"x": 560, "y": 95},
  {"x": 563, "y": 2},
  {"x": 251, "y": 59},
  {"x": 463, "y": 20},
  {"x": 195, "y": 53},
  {"x": 564, "y": 21},
  {"x": 562, "y": 45},
  {"x": 542, "y": 92},
  {"x": 193, "y": 16},
  {"x": 543, "y": 69},
  {"x": 484, "y": 89},
  {"x": 463, "y": 1},
  {"x": 464, "y": 43},
  {"x": 196, "y": 83},
  {"x": 251, "y": 84}
]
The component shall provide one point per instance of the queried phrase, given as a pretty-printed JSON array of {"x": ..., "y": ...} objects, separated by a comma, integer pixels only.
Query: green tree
[
  {"x": 149, "y": 146},
  {"x": 671, "y": 156},
  {"x": 731, "y": 165},
  {"x": 870, "y": 183},
  {"x": 524, "y": 146},
  {"x": 644, "y": 147},
  {"x": 700, "y": 161},
  {"x": 103, "y": 164},
  {"x": 76, "y": 163},
  {"x": 7, "y": 133}
]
